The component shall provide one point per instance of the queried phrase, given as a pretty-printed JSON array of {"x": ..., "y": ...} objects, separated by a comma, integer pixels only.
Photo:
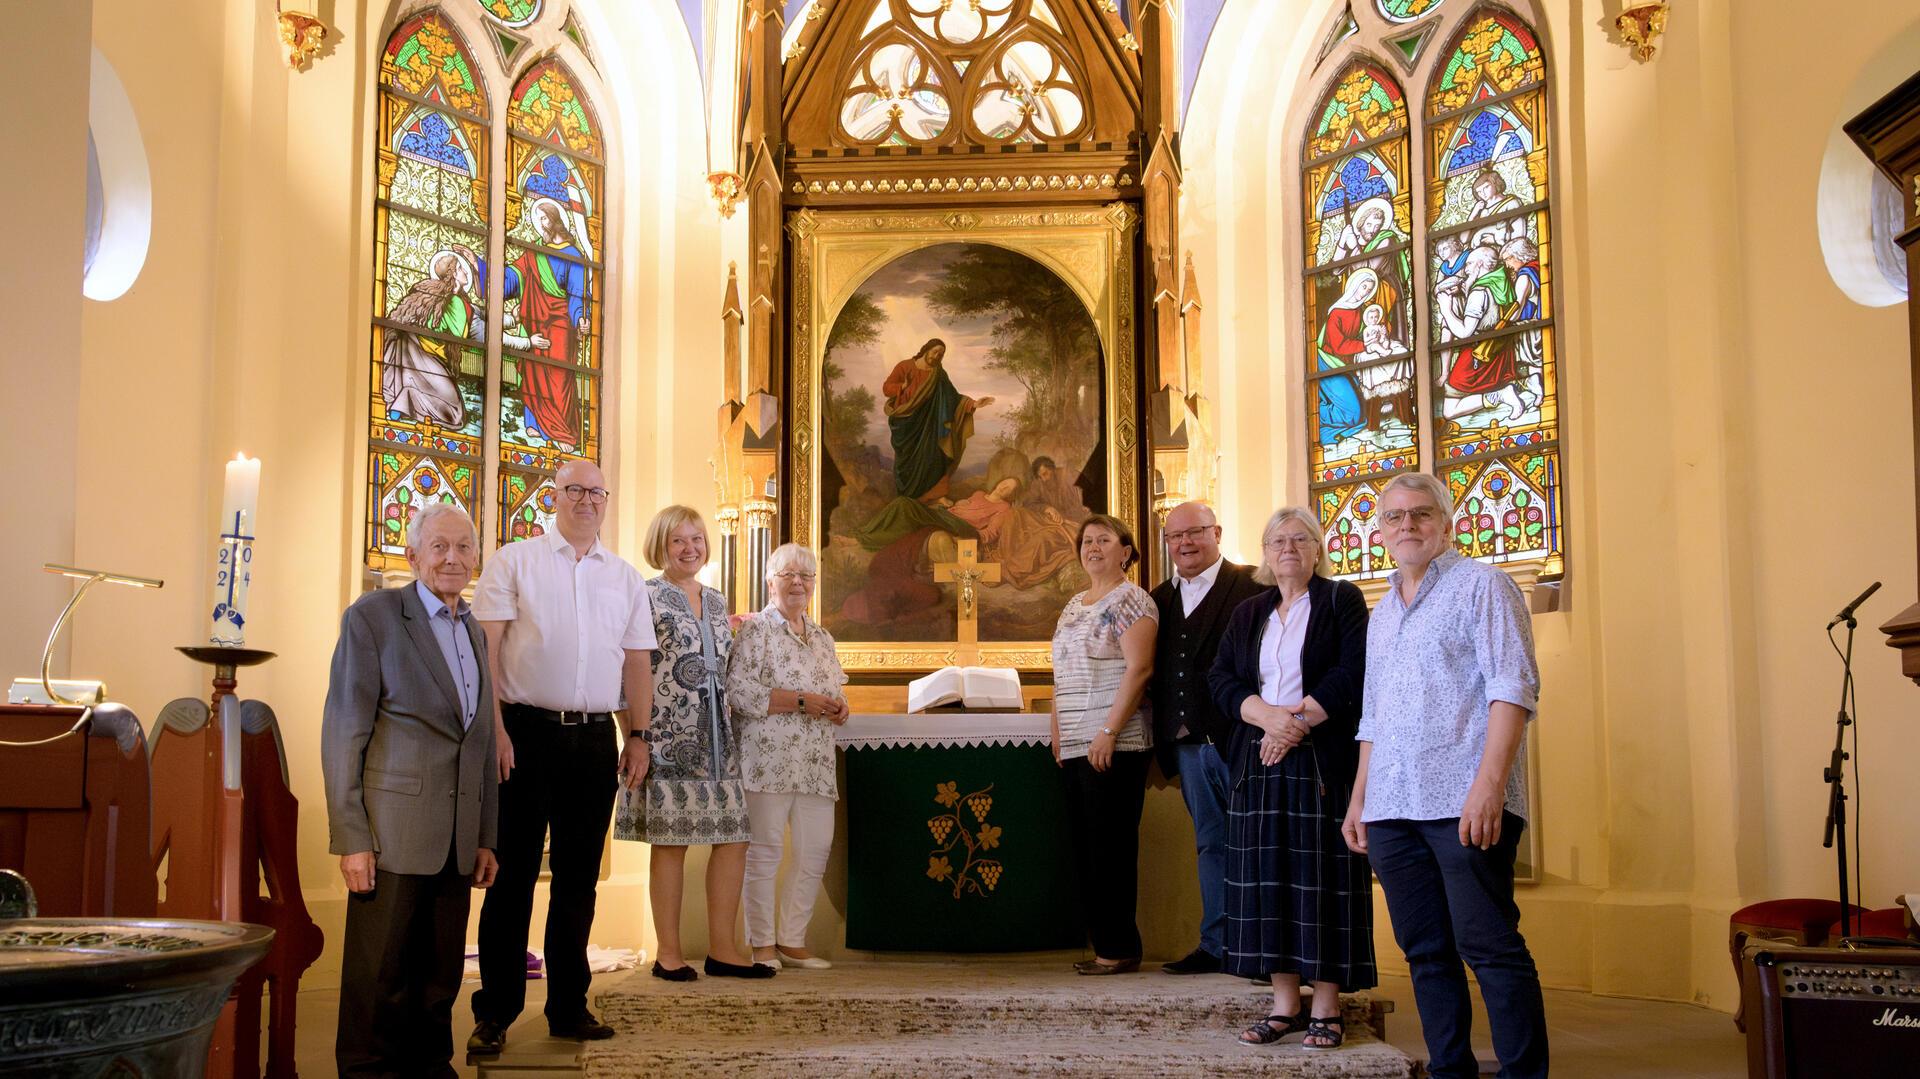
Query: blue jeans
[
  {"x": 1205, "y": 785},
  {"x": 1451, "y": 903}
]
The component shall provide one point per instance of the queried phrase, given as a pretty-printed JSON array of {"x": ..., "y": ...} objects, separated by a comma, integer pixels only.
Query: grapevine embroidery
[{"x": 956, "y": 840}]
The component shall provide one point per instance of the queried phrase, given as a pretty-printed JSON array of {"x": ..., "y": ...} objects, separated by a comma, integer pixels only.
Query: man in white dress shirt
[{"x": 569, "y": 636}]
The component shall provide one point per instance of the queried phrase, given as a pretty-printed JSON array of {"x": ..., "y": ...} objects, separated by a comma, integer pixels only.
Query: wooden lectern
[{"x": 74, "y": 809}]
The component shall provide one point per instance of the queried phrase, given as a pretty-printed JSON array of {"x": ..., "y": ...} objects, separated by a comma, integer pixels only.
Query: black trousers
[
  {"x": 399, "y": 974},
  {"x": 1452, "y": 904},
  {"x": 563, "y": 779},
  {"x": 1103, "y": 812}
]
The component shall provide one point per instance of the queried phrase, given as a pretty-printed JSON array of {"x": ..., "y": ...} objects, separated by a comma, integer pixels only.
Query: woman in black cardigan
[{"x": 1291, "y": 665}]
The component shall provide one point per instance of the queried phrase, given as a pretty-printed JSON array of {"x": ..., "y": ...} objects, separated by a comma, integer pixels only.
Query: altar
[{"x": 956, "y": 835}]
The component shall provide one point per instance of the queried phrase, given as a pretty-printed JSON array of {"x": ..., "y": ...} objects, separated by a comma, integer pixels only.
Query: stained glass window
[
  {"x": 514, "y": 13},
  {"x": 1476, "y": 247},
  {"x": 1496, "y": 380},
  {"x": 551, "y": 287},
  {"x": 1406, "y": 10},
  {"x": 463, "y": 351},
  {"x": 429, "y": 359},
  {"x": 1362, "y": 420}
]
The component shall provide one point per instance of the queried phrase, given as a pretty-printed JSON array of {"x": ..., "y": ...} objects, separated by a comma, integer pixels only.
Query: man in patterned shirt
[{"x": 1440, "y": 799}]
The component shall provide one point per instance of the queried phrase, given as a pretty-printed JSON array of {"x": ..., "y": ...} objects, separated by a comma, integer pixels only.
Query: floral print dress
[{"x": 692, "y": 794}]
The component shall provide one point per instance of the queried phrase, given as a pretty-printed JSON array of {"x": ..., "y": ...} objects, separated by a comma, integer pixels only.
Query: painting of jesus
[{"x": 961, "y": 399}]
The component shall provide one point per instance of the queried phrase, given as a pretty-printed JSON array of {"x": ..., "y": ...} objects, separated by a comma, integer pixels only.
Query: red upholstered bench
[{"x": 1805, "y": 922}]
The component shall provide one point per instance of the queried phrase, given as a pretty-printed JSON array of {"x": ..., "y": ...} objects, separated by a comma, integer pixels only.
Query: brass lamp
[{"x": 91, "y": 577}]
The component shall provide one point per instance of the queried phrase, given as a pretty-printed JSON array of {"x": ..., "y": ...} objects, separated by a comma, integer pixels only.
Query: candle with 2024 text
[{"x": 233, "y": 553}]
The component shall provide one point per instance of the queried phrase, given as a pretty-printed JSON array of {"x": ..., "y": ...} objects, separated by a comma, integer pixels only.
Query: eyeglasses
[
  {"x": 1282, "y": 543},
  {"x": 576, "y": 492},
  {"x": 1186, "y": 534},
  {"x": 1417, "y": 516},
  {"x": 790, "y": 576}
]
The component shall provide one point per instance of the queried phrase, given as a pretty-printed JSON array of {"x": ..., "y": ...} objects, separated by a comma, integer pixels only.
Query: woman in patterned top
[
  {"x": 1291, "y": 666},
  {"x": 692, "y": 792},
  {"x": 784, "y": 683},
  {"x": 1102, "y": 659}
]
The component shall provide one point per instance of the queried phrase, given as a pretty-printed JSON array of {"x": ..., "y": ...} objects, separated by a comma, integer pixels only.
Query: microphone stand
[{"x": 1836, "y": 777}]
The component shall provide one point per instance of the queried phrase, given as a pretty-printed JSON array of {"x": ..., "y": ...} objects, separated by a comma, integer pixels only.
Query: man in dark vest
[{"x": 1189, "y": 732}]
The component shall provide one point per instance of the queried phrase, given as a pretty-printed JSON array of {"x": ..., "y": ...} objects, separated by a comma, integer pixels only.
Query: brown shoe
[{"x": 1097, "y": 968}]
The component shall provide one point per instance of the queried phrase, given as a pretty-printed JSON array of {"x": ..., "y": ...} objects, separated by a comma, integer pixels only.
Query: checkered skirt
[{"x": 1298, "y": 901}]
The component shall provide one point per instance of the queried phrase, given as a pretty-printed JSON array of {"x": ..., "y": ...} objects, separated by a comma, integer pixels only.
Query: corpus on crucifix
[{"x": 970, "y": 572}]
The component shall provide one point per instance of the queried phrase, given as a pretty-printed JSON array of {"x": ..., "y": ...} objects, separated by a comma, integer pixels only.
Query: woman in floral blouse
[
  {"x": 692, "y": 792},
  {"x": 1102, "y": 658},
  {"x": 784, "y": 683}
]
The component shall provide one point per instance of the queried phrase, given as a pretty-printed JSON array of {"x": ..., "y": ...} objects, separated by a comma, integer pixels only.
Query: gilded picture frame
[{"x": 1091, "y": 249}]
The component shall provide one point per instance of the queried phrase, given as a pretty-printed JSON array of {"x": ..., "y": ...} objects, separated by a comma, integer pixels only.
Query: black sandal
[
  {"x": 1332, "y": 1028},
  {"x": 1266, "y": 1032}
]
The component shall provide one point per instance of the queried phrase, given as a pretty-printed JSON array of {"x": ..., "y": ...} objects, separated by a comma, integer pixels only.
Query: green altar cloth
[{"x": 957, "y": 847}]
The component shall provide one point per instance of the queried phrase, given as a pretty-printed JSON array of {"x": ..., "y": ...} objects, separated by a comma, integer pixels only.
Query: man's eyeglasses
[
  {"x": 576, "y": 492},
  {"x": 1182, "y": 536},
  {"x": 1417, "y": 516}
]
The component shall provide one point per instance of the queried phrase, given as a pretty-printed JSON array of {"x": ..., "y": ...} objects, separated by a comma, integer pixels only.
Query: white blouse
[{"x": 1281, "y": 680}]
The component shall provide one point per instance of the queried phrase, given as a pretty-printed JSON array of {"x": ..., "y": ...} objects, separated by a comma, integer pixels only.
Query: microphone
[{"x": 1846, "y": 613}]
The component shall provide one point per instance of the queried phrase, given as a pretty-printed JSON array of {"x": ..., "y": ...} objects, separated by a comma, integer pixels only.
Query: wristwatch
[
  {"x": 645, "y": 734},
  {"x": 1108, "y": 731},
  {"x": 802, "y": 698}
]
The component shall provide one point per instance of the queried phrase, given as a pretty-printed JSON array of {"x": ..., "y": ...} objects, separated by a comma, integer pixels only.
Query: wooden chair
[{"x": 268, "y": 855}]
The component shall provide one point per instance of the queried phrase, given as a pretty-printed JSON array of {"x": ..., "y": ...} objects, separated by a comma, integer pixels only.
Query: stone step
[
  {"x": 863, "y": 1011},
  {"x": 769, "y": 1053}
]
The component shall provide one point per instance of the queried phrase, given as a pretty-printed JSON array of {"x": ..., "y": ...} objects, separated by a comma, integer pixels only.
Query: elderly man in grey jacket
[{"x": 407, "y": 752}]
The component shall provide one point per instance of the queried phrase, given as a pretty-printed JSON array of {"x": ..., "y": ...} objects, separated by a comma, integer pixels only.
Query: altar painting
[{"x": 961, "y": 398}]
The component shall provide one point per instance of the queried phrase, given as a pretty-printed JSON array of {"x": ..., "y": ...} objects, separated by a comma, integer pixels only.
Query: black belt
[{"x": 565, "y": 718}]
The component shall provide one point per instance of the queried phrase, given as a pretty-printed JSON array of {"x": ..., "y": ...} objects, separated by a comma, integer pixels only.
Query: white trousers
[{"x": 811, "y": 817}]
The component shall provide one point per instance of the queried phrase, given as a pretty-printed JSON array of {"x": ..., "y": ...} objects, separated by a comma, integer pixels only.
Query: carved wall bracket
[
  {"x": 1641, "y": 25},
  {"x": 302, "y": 36}
]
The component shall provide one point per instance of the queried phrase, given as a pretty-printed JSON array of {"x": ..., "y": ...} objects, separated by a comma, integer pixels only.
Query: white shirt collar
[
  {"x": 558, "y": 542},
  {"x": 1205, "y": 578}
]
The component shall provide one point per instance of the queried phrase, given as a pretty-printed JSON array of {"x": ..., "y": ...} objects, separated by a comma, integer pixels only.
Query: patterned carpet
[{"x": 1021, "y": 1018}]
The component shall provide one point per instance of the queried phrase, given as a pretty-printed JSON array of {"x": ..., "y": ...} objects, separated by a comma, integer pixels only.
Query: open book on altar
[{"x": 978, "y": 689}]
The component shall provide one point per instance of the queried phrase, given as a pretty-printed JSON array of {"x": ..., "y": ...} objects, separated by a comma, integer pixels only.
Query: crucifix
[{"x": 969, "y": 571}]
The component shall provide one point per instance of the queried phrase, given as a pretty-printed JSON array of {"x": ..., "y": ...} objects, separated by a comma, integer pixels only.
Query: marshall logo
[{"x": 1890, "y": 1018}]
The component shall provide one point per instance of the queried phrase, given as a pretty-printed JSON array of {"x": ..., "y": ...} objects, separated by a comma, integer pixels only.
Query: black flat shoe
[
  {"x": 677, "y": 974},
  {"x": 1198, "y": 961},
  {"x": 488, "y": 1039},
  {"x": 584, "y": 1029},
  {"x": 717, "y": 969}
]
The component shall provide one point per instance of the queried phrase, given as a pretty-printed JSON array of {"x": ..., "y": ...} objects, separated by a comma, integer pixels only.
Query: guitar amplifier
[{"x": 1818, "y": 1012}]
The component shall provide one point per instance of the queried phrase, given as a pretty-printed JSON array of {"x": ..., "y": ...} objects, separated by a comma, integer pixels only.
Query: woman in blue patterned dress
[{"x": 692, "y": 792}]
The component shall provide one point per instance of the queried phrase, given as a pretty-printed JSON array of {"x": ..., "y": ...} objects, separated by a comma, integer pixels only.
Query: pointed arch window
[
  {"x": 1470, "y": 390},
  {"x": 550, "y": 340},
  {"x": 464, "y": 355},
  {"x": 430, "y": 237}
]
